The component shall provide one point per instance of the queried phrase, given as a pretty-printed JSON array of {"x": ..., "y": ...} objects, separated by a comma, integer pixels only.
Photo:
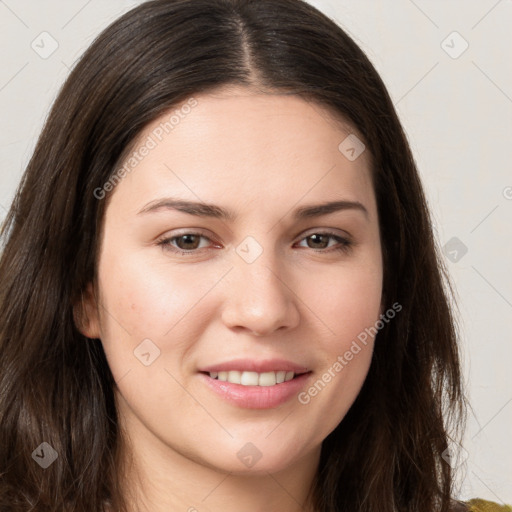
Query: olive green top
[{"x": 478, "y": 505}]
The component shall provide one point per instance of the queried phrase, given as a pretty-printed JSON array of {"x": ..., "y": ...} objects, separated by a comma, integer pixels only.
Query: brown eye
[
  {"x": 187, "y": 242},
  {"x": 320, "y": 242}
]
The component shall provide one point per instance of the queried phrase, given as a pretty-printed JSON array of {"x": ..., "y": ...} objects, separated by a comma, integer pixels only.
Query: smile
[
  {"x": 255, "y": 390},
  {"x": 254, "y": 378}
]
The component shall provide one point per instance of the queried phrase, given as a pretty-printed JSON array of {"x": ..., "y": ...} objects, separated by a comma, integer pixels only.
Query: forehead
[{"x": 239, "y": 144}]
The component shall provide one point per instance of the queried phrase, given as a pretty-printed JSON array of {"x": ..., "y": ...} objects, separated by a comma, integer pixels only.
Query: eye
[
  {"x": 320, "y": 240},
  {"x": 190, "y": 243},
  {"x": 187, "y": 243}
]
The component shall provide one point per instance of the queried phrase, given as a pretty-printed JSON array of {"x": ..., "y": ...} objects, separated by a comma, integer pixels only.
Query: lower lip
[{"x": 257, "y": 397}]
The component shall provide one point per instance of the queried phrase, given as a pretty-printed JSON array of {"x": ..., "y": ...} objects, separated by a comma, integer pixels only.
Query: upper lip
[{"x": 251, "y": 365}]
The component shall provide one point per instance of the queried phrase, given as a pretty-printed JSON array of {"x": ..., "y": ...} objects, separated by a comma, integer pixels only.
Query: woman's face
[{"x": 267, "y": 286}]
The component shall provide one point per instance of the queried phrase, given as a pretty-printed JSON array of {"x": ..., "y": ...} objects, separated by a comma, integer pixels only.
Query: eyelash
[{"x": 344, "y": 246}]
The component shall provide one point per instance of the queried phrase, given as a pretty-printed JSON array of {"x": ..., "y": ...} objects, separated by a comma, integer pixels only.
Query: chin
[{"x": 255, "y": 458}]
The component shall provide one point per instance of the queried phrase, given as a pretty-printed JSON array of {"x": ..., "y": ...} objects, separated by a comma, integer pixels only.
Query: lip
[
  {"x": 250, "y": 365},
  {"x": 256, "y": 397}
]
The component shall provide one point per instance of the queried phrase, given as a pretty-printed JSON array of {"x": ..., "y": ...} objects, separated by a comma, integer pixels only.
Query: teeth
[
  {"x": 248, "y": 379},
  {"x": 280, "y": 377},
  {"x": 234, "y": 377},
  {"x": 253, "y": 378},
  {"x": 267, "y": 379}
]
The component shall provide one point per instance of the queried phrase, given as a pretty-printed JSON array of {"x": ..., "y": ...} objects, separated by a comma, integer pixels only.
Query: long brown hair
[{"x": 56, "y": 386}]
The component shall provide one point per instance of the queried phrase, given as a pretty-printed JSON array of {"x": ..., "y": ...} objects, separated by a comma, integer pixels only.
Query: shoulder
[{"x": 478, "y": 505}]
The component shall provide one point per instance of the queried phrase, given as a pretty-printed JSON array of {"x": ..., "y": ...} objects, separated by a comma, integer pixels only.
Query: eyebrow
[{"x": 211, "y": 210}]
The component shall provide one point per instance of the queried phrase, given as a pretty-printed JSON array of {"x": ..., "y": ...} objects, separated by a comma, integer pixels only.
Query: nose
[{"x": 260, "y": 298}]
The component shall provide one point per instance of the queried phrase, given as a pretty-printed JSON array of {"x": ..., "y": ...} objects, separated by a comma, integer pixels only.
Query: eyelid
[
  {"x": 188, "y": 231},
  {"x": 328, "y": 231}
]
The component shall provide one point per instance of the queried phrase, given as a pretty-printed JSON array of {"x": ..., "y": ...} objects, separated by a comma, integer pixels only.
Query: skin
[{"x": 262, "y": 156}]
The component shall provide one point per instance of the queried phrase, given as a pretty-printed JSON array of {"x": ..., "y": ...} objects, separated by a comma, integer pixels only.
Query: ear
[{"x": 85, "y": 314}]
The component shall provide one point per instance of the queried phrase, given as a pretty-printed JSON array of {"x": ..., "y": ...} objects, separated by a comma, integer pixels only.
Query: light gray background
[{"x": 457, "y": 113}]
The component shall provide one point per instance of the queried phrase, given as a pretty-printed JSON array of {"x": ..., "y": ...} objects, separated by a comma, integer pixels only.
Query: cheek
[
  {"x": 347, "y": 300},
  {"x": 349, "y": 309},
  {"x": 167, "y": 304},
  {"x": 148, "y": 298}
]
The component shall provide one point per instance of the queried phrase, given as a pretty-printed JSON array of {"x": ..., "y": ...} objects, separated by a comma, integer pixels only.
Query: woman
[{"x": 220, "y": 285}]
